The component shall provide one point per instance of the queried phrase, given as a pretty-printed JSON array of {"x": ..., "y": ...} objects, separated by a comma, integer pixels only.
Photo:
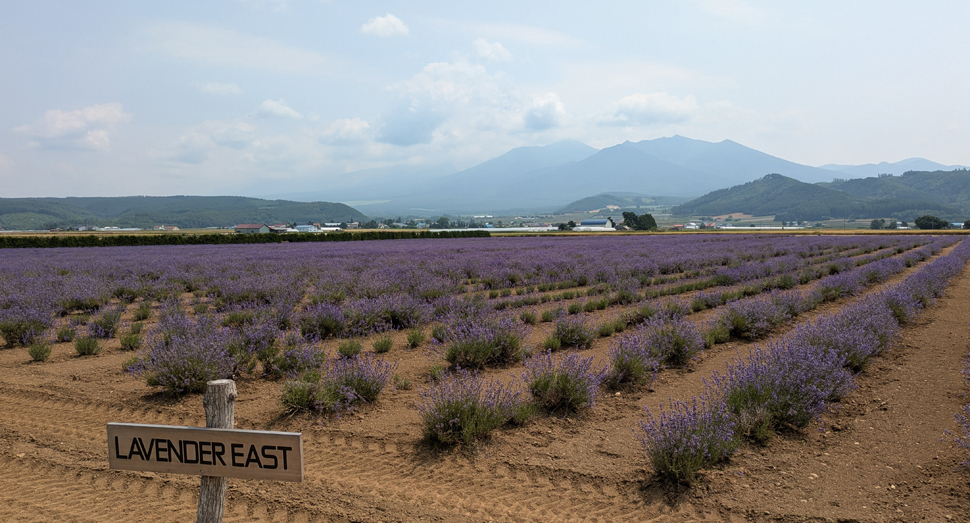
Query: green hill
[
  {"x": 790, "y": 199},
  {"x": 950, "y": 187},
  {"x": 180, "y": 211}
]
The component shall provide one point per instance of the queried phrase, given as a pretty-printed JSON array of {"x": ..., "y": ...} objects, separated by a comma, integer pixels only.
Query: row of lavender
[
  {"x": 471, "y": 336},
  {"x": 787, "y": 383},
  {"x": 377, "y": 285},
  {"x": 464, "y": 406}
]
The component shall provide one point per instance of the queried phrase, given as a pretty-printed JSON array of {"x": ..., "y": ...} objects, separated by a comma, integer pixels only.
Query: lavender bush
[
  {"x": 86, "y": 346},
  {"x": 856, "y": 333},
  {"x": 40, "y": 349},
  {"x": 573, "y": 331},
  {"x": 322, "y": 320},
  {"x": 344, "y": 383},
  {"x": 562, "y": 384},
  {"x": 295, "y": 357},
  {"x": 254, "y": 341},
  {"x": 686, "y": 437},
  {"x": 632, "y": 362},
  {"x": 183, "y": 354},
  {"x": 106, "y": 325},
  {"x": 21, "y": 325},
  {"x": 479, "y": 342},
  {"x": 752, "y": 319},
  {"x": 415, "y": 337},
  {"x": 784, "y": 384},
  {"x": 673, "y": 341},
  {"x": 463, "y": 407}
]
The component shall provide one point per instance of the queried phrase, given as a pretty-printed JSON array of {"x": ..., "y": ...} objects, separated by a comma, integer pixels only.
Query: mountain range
[
  {"x": 544, "y": 179},
  {"x": 942, "y": 193}
]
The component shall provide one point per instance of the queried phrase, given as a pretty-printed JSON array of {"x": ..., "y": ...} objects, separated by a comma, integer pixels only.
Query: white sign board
[{"x": 248, "y": 454}]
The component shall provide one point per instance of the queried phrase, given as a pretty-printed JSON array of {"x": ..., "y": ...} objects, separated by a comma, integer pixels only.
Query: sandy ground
[{"x": 881, "y": 455}]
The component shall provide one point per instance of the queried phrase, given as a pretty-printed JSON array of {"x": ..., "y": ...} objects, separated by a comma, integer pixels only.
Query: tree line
[{"x": 130, "y": 240}]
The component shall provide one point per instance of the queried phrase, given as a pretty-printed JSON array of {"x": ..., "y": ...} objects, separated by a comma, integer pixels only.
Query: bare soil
[{"x": 882, "y": 454}]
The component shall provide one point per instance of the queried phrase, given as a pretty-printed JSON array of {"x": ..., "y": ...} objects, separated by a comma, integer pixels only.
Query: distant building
[
  {"x": 306, "y": 228},
  {"x": 595, "y": 225},
  {"x": 251, "y": 228}
]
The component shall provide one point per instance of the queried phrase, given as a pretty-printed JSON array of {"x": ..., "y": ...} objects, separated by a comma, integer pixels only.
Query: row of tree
[{"x": 119, "y": 240}]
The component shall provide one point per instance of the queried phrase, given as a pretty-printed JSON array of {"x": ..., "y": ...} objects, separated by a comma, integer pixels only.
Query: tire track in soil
[
  {"x": 46, "y": 492},
  {"x": 377, "y": 469},
  {"x": 402, "y": 473}
]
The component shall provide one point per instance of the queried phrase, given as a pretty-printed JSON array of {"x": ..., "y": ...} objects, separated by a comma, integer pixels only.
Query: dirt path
[{"x": 883, "y": 455}]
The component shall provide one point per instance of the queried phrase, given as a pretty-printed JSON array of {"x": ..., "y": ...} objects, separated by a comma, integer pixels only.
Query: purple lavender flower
[
  {"x": 464, "y": 406},
  {"x": 686, "y": 437},
  {"x": 183, "y": 354},
  {"x": 573, "y": 331},
  {"x": 562, "y": 384},
  {"x": 477, "y": 342},
  {"x": 632, "y": 362},
  {"x": 786, "y": 383}
]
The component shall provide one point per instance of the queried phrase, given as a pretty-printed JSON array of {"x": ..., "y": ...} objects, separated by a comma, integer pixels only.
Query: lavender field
[{"x": 470, "y": 339}]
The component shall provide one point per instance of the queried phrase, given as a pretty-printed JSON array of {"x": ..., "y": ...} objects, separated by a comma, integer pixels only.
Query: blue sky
[{"x": 159, "y": 98}]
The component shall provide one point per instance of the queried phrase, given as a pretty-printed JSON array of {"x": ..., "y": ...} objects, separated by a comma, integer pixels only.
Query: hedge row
[{"x": 121, "y": 240}]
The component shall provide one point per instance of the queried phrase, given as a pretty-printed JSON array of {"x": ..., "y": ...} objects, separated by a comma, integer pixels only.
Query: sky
[{"x": 103, "y": 98}]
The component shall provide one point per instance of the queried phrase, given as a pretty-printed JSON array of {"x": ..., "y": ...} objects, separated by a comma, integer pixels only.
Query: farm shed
[
  {"x": 251, "y": 228},
  {"x": 595, "y": 225}
]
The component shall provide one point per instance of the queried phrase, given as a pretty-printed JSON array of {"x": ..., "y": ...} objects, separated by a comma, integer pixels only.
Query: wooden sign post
[
  {"x": 216, "y": 452},
  {"x": 219, "y": 403}
]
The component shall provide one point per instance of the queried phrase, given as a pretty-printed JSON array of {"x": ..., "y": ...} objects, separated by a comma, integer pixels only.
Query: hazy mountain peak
[{"x": 894, "y": 168}]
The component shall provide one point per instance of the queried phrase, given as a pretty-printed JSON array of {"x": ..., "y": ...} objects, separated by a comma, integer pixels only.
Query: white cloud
[
  {"x": 346, "y": 132},
  {"x": 643, "y": 109},
  {"x": 735, "y": 10},
  {"x": 387, "y": 25},
  {"x": 218, "y": 88},
  {"x": 493, "y": 52},
  {"x": 85, "y": 128},
  {"x": 546, "y": 112},
  {"x": 277, "y": 108},
  {"x": 451, "y": 101},
  {"x": 215, "y": 46}
]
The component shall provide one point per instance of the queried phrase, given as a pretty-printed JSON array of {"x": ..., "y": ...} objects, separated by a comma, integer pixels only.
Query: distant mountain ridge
[
  {"x": 946, "y": 193},
  {"x": 543, "y": 179},
  {"x": 180, "y": 211},
  {"x": 896, "y": 168}
]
